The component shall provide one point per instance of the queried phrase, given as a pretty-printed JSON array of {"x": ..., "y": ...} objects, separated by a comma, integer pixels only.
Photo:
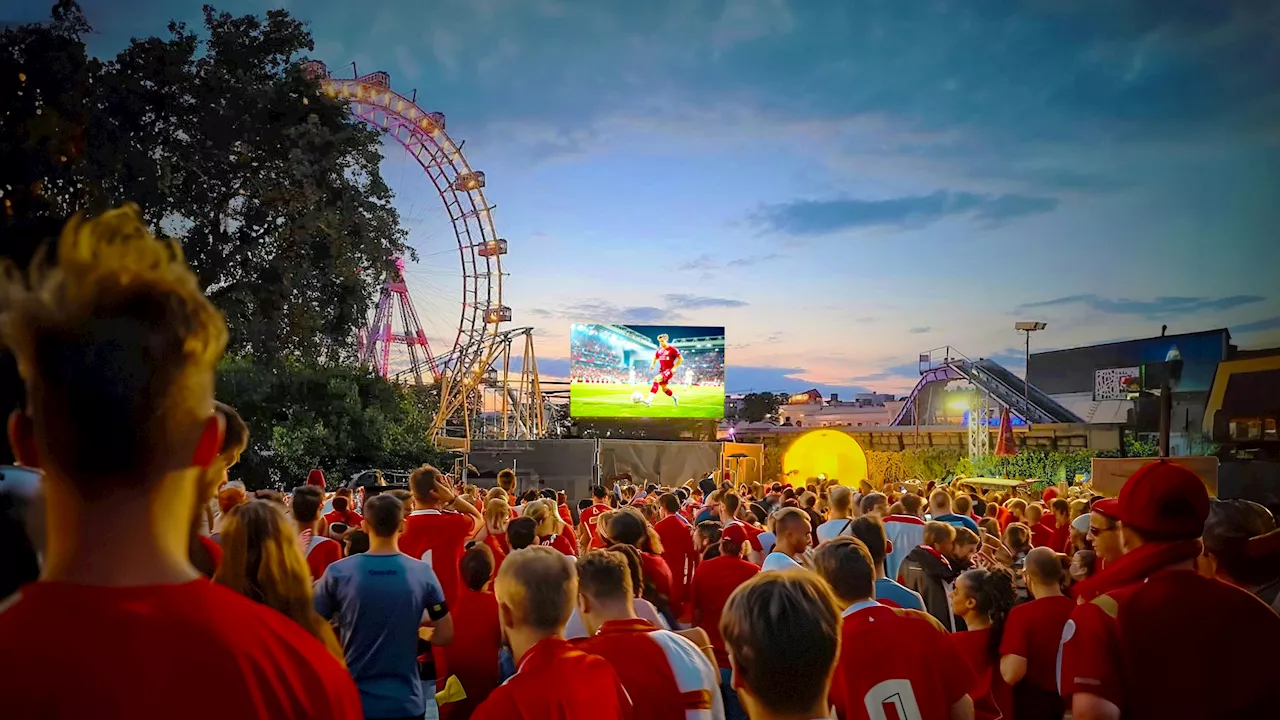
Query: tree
[
  {"x": 342, "y": 419},
  {"x": 758, "y": 406},
  {"x": 45, "y": 80},
  {"x": 228, "y": 146}
]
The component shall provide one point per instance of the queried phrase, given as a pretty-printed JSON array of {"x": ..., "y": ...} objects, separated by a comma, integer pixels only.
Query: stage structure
[{"x": 474, "y": 359}]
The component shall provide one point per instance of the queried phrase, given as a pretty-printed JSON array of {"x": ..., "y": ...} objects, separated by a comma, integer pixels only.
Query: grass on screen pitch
[{"x": 596, "y": 401}]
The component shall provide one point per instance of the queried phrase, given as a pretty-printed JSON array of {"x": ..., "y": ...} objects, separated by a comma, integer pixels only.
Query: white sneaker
[{"x": 675, "y": 400}]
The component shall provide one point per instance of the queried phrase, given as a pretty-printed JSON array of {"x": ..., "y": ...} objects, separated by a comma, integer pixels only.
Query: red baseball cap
[
  {"x": 316, "y": 478},
  {"x": 1161, "y": 499},
  {"x": 734, "y": 533}
]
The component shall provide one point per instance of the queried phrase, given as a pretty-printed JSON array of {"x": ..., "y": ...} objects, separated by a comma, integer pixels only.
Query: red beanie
[{"x": 316, "y": 478}]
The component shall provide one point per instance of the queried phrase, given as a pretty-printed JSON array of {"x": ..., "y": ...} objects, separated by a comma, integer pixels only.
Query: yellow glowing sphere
[{"x": 825, "y": 452}]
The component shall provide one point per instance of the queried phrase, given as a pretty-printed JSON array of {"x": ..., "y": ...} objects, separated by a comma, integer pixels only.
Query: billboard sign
[
  {"x": 1109, "y": 383},
  {"x": 635, "y": 371}
]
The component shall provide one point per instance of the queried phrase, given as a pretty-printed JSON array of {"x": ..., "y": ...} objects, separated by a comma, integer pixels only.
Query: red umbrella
[{"x": 1004, "y": 441}]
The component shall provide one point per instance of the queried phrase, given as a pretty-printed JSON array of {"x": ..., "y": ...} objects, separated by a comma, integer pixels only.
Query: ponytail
[
  {"x": 995, "y": 595},
  {"x": 1000, "y": 593}
]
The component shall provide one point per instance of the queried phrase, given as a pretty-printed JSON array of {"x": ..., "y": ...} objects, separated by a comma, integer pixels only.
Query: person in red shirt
[
  {"x": 1128, "y": 649},
  {"x": 507, "y": 481},
  {"x": 898, "y": 661},
  {"x": 497, "y": 518},
  {"x": 472, "y": 657},
  {"x": 728, "y": 507},
  {"x": 1060, "y": 540},
  {"x": 536, "y": 589},
  {"x": 666, "y": 675},
  {"x": 1029, "y": 645},
  {"x": 320, "y": 551},
  {"x": 342, "y": 510},
  {"x": 713, "y": 583},
  {"x": 983, "y": 598},
  {"x": 628, "y": 527},
  {"x": 552, "y": 531},
  {"x": 117, "y": 348},
  {"x": 781, "y": 630},
  {"x": 437, "y": 530},
  {"x": 677, "y": 549},
  {"x": 1041, "y": 525},
  {"x": 590, "y": 517},
  {"x": 666, "y": 358}
]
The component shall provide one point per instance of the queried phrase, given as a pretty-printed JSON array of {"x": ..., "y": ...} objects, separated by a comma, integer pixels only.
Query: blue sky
[{"x": 841, "y": 184}]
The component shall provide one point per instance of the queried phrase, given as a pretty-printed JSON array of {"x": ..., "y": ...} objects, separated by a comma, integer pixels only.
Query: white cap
[{"x": 1081, "y": 524}]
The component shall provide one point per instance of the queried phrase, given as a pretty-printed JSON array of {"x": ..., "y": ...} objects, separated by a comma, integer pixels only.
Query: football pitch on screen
[{"x": 598, "y": 401}]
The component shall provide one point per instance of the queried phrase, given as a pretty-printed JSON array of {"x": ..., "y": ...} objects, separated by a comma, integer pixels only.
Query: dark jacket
[{"x": 934, "y": 579}]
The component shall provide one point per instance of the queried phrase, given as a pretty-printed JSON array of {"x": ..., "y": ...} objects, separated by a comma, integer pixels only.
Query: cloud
[
  {"x": 750, "y": 260},
  {"x": 674, "y": 305},
  {"x": 409, "y": 64},
  {"x": 919, "y": 330},
  {"x": 681, "y": 301},
  {"x": 747, "y": 378},
  {"x": 822, "y": 217},
  {"x": 703, "y": 262},
  {"x": 1154, "y": 308},
  {"x": 746, "y": 20},
  {"x": 1271, "y": 323}
]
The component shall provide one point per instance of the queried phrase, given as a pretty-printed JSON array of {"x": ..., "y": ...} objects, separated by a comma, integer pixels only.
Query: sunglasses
[{"x": 1095, "y": 531}]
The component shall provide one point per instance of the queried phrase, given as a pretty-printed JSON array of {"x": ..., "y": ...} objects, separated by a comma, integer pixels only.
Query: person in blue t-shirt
[
  {"x": 869, "y": 530},
  {"x": 940, "y": 510},
  {"x": 380, "y": 599}
]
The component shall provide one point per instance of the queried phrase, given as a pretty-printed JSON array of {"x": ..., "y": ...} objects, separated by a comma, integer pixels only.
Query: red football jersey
[
  {"x": 473, "y": 654},
  {"x": 438, "y": 538},
  {"x": 206, "y": 653},
  {"x": 590, "y": 517},
  {"x": 881, "y": 666},
  {"x": 350, "y": 517},
  {"x": 321, "y": 554},
  {"x": 563, "y": 542},
  {"x": 1147, "y": 649},
  {"x": 656, "y": 572},
  {"x": 992, "y": 696},
  {"x": 677, "y": 550},
  {"x": 666, "y": 358},
  {"x": 664, "y": 674},
  {"x": 538, "y": 690},
  {"x": 713, "y": 583},
  {"x": 1034, "y": 631}
]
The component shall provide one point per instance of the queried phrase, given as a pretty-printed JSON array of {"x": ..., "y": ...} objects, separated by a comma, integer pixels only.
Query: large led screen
[{"x": 658, "y": 371}]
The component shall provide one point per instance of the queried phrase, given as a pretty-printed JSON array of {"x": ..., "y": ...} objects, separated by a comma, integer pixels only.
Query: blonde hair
[
  {"x": 497, "y": 510},
  {"x": 261, "y": 560},
  {"x": 117, "y": 346},
  {"x": 546, "y": 514},
  {"x": 538, "y": 585}
]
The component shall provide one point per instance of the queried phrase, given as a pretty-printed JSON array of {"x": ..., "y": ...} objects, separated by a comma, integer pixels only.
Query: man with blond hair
[
  {"x": 536, "y": 589},
  {"x": 117, "y": 347},
  {"x": 841, "y": 517}
]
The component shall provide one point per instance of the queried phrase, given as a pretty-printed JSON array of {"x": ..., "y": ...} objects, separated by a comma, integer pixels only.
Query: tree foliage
[
  {"x": 758, "y": 406},
  {"x": 271, "y": 187},
  {"x": 342, "y": 419}
]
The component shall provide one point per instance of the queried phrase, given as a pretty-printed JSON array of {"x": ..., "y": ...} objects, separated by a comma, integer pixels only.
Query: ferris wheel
[{"x": 463, "y": 333}]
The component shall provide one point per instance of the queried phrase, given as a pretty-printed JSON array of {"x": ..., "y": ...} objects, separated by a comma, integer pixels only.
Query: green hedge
[{"x": 944, "y": 463}]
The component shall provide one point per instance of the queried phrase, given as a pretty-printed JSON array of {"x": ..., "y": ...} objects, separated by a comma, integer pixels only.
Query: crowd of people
[{"x": 189, "y": 596}]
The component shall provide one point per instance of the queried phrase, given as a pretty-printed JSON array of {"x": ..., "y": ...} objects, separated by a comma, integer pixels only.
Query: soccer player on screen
[{"x": 666, "y": 359}]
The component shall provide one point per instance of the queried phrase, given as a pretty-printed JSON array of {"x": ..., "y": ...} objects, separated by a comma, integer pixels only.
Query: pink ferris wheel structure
[
  {"x": 375, "y": 342},
  {"x": 457, "y": 361}
]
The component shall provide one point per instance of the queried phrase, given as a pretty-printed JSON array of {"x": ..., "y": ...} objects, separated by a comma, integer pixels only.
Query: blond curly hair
[{"x": 117, "y": 345}]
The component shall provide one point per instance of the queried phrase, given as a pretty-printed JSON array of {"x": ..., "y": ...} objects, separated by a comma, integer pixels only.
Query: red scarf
[
  {"x": 934, "y": 552},
  {"x": 1136, "y": 566}
]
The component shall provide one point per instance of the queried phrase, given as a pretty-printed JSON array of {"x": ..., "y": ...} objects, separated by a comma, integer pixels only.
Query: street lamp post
[{"x": 1027, "y": 328}]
